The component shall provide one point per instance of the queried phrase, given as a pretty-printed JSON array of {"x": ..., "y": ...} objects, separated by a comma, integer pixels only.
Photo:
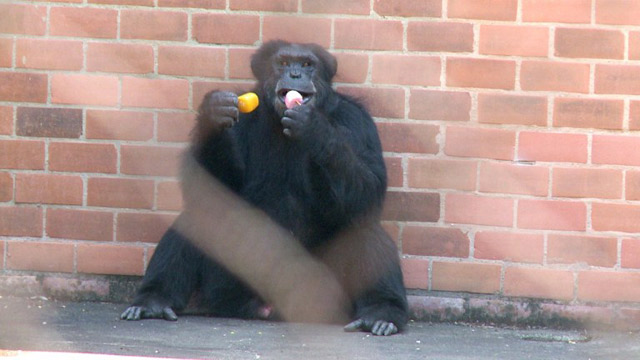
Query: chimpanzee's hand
[
  {"x": 219, "y": 109},
  {"x": 300, "y": 121}
]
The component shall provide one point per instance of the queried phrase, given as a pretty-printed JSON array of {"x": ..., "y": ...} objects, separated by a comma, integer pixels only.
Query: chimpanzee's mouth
[{"x": 306, "y": 96}]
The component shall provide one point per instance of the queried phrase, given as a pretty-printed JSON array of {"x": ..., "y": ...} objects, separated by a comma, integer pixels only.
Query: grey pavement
[{"x": 44, "y": 325}]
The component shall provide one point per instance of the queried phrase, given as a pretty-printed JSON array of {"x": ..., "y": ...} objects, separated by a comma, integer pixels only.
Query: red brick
[
  {"x": 554, "y": 76},
  {"x": 136, "y": 227},
  {"x": 86, "y": 158},
  {"x": 354, "y": 7},
  {"x": 439, "y": 105},
  {"x": 514, "y": 247},
  {"x": 169, "y": 196},
  {"x": 191, "y": 61},
  {"x": 119, "y": 125},
  {"x": 203, "y": 4},
  {"x": 6, "y": 187},
  {"x": 120, "y": 58},
  {"x": 21, "y": 221},
  {"x": 49, "y": 189},
  {"x": 565, "y": 11},
  {"x": 632, "y": 185},
  {"x": 554, "y": 147},
  {"x": 411, "y": 206},
  {"x": 23, "y": 87},
  {"x": 634, "y": 45},
  {"x": 431, "y": 241},
  {"x": 615, "y": 217},
  {"x": 6, "y": 52},
  {"x": 415, "y": 273},
  {"x": 467, "y": 277},
  {"x": 201, "y": 88},
  {"x": 84, "y": 22},
  {"x": 538, "y": 283},
  {"x": 372, "y": 34},
  {"x": 411, "y": 138},
  {"x": 153, "y": 25},
  {"x": 6, "y": 120},
  {"x": 175, "y": 127},
  {"x": 49, "y": 122},
  {"x": 110, "y": 259},
  {"x": 393, "y": 229},
  {"x": 240, "y": 63},
  {"x": 482, "y": 143},
  {"x": 588, "y": 113},
  {"x": 514, "y": 40},
  {"x": 353, "y": 68},
  {"x": 49, "y": 54},
  {"x": 395, "y": 172},
  {"x": 473, "y": 9},
  {"x": 401, "y": 70},
  {"x": 84, "y": 89},
  {"x": 120, "y": 193},
  {"x": 617, "y": 79},
  {"x": 590, "y": 250},
  {"x": 297, "y": 29},
  {"x": 512, "y": 109},
  {"x": 23, "y": 19},
  {"x": 480, "y": 210},
  {"x": 37, "y": 256},
  {"x": 439, "y": 36},
  {"x": 226, "y": 29},
  {"x": 123, "y": 2},
  {"x": 442, "y": 174},
  {"x": 150, "y": 160},
  {"x": 589, "y": 43},
  {"x": 552, "y": 215},
  {"x": 630, "y": 254},
  {"x": 622, "y": 12},
  {"x": 616, "y": 150},
  {"x": 264, "y": 5},
  {"x": 155, "y": 93},
  {"x": 408, "y": 8},
  {"x": 513, "y": 179},
  {"x": 481, "y": 73},
  {"x": 80, "y": 224},
  {"x": 608, "y": 286},
  {"x": 382, "y": 102},
  {"x": 587, "y": 183},
  {"x": 21, "y": 154}
]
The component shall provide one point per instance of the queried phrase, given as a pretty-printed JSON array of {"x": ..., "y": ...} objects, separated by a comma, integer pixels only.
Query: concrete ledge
[{"x": 432, "y": 306}]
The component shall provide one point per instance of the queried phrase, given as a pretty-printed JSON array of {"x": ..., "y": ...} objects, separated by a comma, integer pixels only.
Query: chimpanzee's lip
[{"x": 306, "y": 96}]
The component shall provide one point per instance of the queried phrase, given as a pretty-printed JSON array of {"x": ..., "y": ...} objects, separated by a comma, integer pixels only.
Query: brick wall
[{"x": 510, "y": 130}]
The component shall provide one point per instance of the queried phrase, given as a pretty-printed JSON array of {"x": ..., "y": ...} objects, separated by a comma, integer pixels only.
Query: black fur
[{"x": 316, "y": 169}]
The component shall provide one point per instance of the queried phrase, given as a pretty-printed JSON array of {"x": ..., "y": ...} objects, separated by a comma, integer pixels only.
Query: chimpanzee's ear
[
  {"x": 261, "y": 60},
  {"x": 328, "y": 61}
]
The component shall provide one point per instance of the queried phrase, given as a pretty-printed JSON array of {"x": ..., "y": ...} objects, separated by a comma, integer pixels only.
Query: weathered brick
[
  {"x": 6, "y": 187},
  {"x": 590, "y": 250},
  {"x": 110, "y": 259},
  {"x": 395, "y": 172},
  {"x": 587, "y": 183},
  {"x": 297, "y": 29},
  {"x": 191, "y": 61},
  {"x": 565, "y": 11},
  {"x": 49, "y": 122},
  {"x": 608, "y": 286},
  {"x": 506, "y": 246},
  {"x": 120, "y": 57},
  {"x": 589, "y": 43},
  {"x": 150, "y": 160},
  {"x": 169, "y": 196},
  {"x": 120, "y": 193},
  {"x": 80, "y": 224},
  {"x": 483, "y": 143},
  {"x": 513, "y": 179},
  {"x": 153, "y": 25},
  {"x": 382, "y": 102},
  {"x": 38, "y": 256},
  {"x": 406, "y": 70},
  {"x": 538, "y": 283},
  {"x": 615, "y": 217},
  {"x": 617, "y": 12},
  {"x": 142, "y": 227},
  {"x": 354, "y": 7},
  {"x": 480, "y": 210},
  {"x": 439, "y": 105},
  {"x": 49, "y": 54},
  {"x": 433, "y": 241},
  {"x": 21, "y": 221},
  {"x": 617, "y": 79},
  {"x": 408, "y": 8},
  {"x": 84, "y": 89},
  {"x": 552, "y": 215},
  {"x": 512, "y": 109},
  {"x": 555, "y": 147},
  {"x": 81, "y": 157},
  {"x": 465, "y": 276},
  {"x": 23, "y": 19},
  {"x": 119, "y": 125},
  {"x": 175, "y": 127},
  {"x": 203, "y": 4},
  {"x": 23, "y": 87},
  {"x": 226, "y": 29},
  {"x": 442, "y": 174},
  {"x": 411, "y": 206},
  {"x": 481, "y": 73},
  {"x": 632, "y": 185},
  {"x": 412, "y": 138},
  {"x": 415, "y": 273},
  {"x": 588, "y": 113},
  {"x": 616, "y": 150},
  {"x": 372, "y": 34},
  {"x": 629, "y": 257},
  {"x": 554, "y": 76},
  {"x": 22, "y": 154},
  {"x": 49, "y": 189},
  {"x": 353, "y": 67},
  {"x": 6, "y": 52},
  {"x": 84, "y": 22},
  {"x": 155, "y": 93},
  {"x": 514, "y": 40},
  {"x": 240, "y": 63},
  {"x": 471, "y": 9},
  {"x": 290, "y": 6},
  {"x": 6, "y": 120}
]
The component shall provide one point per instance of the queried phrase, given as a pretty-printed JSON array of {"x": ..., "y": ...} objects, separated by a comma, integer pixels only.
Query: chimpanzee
[{"x": 315, "y": 169}]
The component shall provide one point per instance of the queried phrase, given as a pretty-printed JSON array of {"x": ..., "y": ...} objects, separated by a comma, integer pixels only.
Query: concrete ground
[{"x": 43, "y": 325}]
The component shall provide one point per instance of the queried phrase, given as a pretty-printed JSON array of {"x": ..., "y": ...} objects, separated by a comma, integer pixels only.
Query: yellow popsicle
[{"x": 248, "y": 102}]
